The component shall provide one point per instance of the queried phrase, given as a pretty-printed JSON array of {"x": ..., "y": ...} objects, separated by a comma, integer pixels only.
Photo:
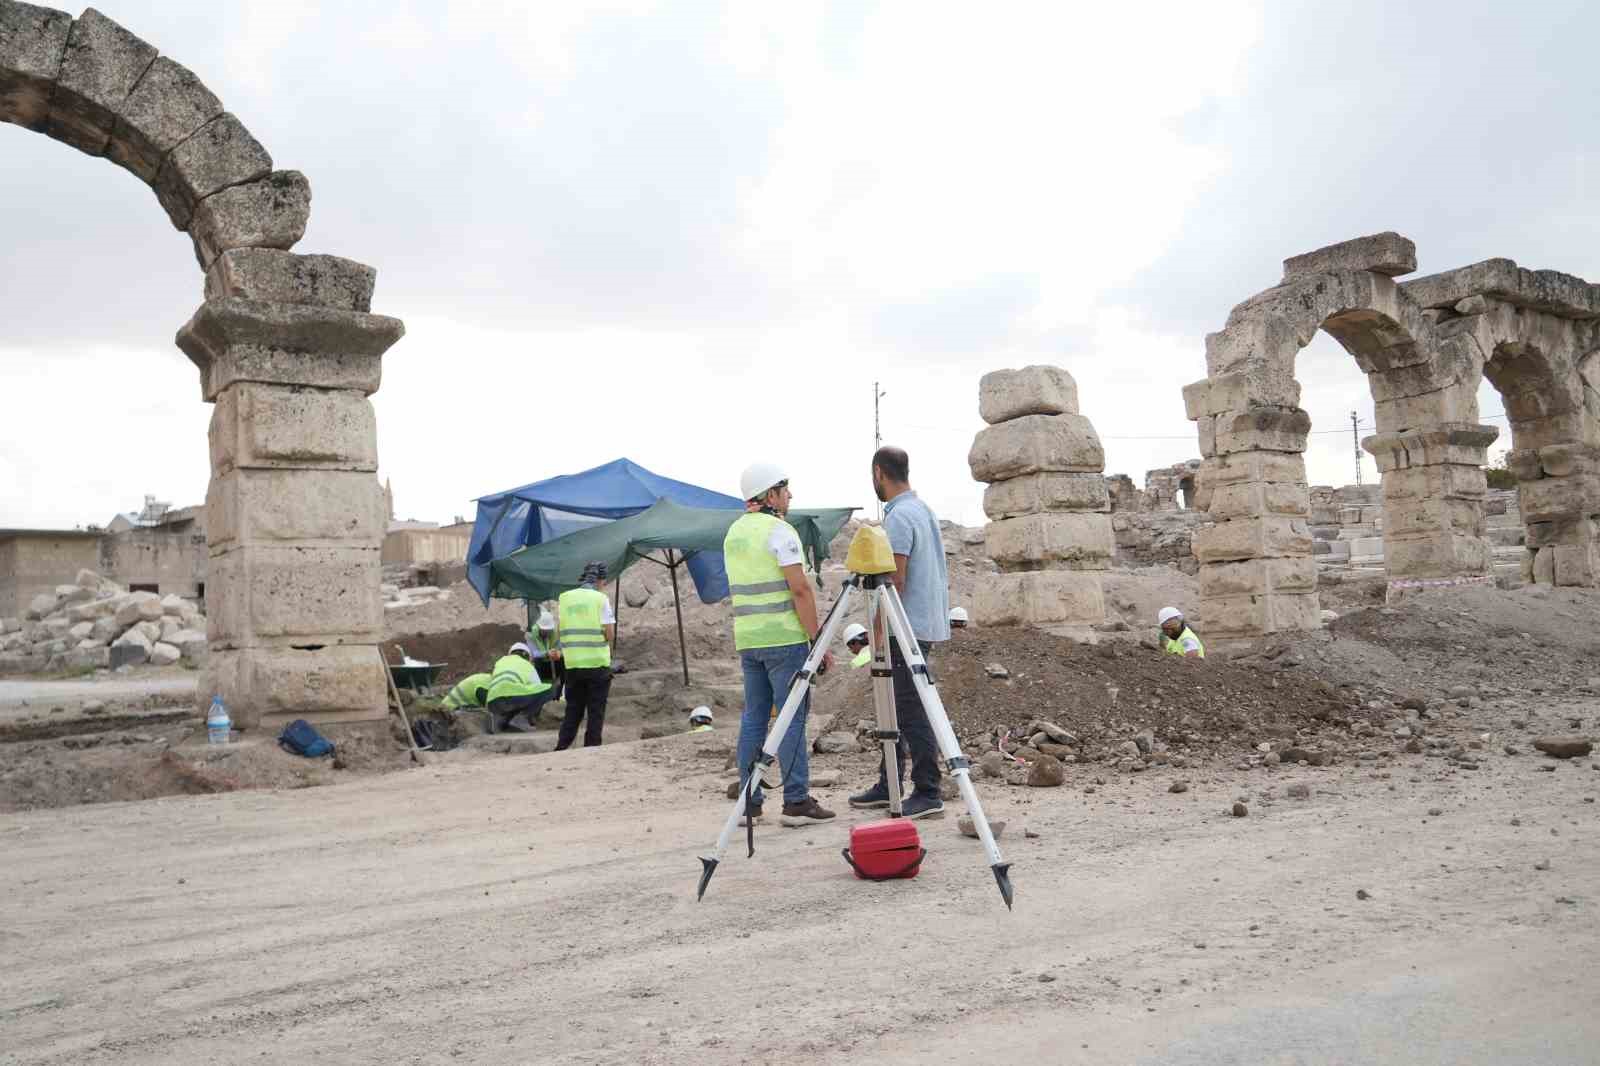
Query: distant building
[{"x": 37, "y": 560}]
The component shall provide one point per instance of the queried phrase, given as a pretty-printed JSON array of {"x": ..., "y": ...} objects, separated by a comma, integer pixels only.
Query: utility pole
[
  {"x": 877, "y": 431},
  {"x": 1355, "y": 438}
]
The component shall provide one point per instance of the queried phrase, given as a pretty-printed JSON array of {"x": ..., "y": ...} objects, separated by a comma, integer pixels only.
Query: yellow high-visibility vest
[
  {"x": 583, "y": 640},
  {"x": 1175, "y": 645},
  {"x": 763, "y": 606},
  {"x": 514, "y": 676},
  {"x": 465, "y": 693}
]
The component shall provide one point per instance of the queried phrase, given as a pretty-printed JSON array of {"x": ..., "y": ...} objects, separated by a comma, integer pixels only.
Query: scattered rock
[
  {"x": 969, "y": 828},
  {"x": 164, "y": 655},
  {"x": 1362, "y": 893},
  {"x": 1030, "y": 833},
  {"x": 1564, "y": 747},
  {"x": 1299, "y": 790},
  {"x": 1178, "y": 786},
  {"x": 1434, "y": 812},
  {"x": 1240, "y": 810},
  {"x": 1046, "y": 772},
  {"x": 835, "y": 743},
  {"x": 994, "y": 764},
  {"x": 995, "y": 670}
]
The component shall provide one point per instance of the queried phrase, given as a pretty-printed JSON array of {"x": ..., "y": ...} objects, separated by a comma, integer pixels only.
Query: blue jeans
[{"x": 768, "y": 673}]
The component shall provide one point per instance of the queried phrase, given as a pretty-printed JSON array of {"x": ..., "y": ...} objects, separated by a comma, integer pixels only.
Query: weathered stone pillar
[
  {"x": 1050, "y": 532},
  {"x": 1433, "y": 489},
  {"x": 288, "y": 353},
  {"x": 1558, "y": 492}
]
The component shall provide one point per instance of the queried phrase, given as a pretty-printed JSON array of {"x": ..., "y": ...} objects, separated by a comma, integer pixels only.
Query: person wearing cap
[
  {"x": 546, "y": 656},
  {"x": 700, "y": 720},
  {"x": 855, "y": 638},
  {"x": 923, "y": 584},
  {"x": 958, "y": 618},
  {"x": 514, "y": 690},
  {"x": 1177, "y": 637},
  {"x": 585, "y": 628},
  {"x": 774, "y": 623}
]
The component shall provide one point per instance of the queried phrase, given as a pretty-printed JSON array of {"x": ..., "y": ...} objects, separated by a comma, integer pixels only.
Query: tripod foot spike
[
  {"x": 710, "y": 867},
  {"x": 1002, "y": 877}
]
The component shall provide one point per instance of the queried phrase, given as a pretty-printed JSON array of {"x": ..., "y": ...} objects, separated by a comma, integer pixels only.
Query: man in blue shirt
[{"x": 924, "y": 586}]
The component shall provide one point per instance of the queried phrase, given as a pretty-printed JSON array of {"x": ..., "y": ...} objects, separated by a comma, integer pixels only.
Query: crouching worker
[
  {"x": 855, "y": 638},
  {"x": 470, "y": 693},
  {"x": 1177, "y": 637},
  {"x": 515, "y": 691},
  {"x": 700, "y": 720}
]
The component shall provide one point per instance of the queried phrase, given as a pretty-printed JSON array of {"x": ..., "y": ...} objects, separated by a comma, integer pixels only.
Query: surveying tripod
[{"x": 885, "y": 613}]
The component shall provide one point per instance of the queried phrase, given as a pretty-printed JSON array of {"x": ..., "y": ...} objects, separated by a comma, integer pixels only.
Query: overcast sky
[{"x": 694, "y": 234}]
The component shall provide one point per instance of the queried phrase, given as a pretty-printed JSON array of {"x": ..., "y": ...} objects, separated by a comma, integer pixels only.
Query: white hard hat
[
  {"x": 958, "y": 614},
  {"x": 855, "y": 631},
  {"x": 700, "y": 714},
  {"x": 546, "y": 621},
  {"x": 758, "y": 478},
  {"x": 1168, "y": 614},
  {"x": 523, "y": 648}
]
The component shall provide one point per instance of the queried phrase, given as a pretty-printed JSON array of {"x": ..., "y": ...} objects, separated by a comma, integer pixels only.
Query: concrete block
[
  {"x": 1385, "y": 253},
  {"x": 1265, "y": 537},
  {"x": 1243, "y": 499},
  {"x": 270, "y": 213},
  {"x": 1034, "y": 444},
  {"x": 167, "y": 106},
  {"x": 234, "y": 339},
  {"x": 1061, "y": 541},
  {"x": 309, "y": 508},
  {"x": 132, "y": 648},
  {"x": 1258, "y": 576},
  {"x": 1274, "y": 429},
  {"x": 1036, "y": 493},
  {"x": 266, "y": 426},
  {"x": 1243, "y": 616},
  {"x": 257, "y": 595},
  {"x": 164, "y": 654},
  {"x": 283, "y": 277},
  {"x": 1033, "y": 390},
  {"x": 1555, "y": 497},
  {"x": 131, "y": 607},
  {"x": 1338, "y": 550},
  {"x": 33, "y": 41},
  {"x": 102, "y": 64},
  {"x": 1253, "y": 466},
  {"x": 327, "y": 684},
  {"x": 1040, "y": 597},
  {"x": 219, "y": 154}
]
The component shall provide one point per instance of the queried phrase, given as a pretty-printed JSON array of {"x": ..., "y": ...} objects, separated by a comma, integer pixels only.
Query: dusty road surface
[{"x": 541, "y": 909}]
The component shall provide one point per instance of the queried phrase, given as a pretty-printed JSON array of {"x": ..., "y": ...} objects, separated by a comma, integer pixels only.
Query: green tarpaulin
[{"x": 544, "y": 571}]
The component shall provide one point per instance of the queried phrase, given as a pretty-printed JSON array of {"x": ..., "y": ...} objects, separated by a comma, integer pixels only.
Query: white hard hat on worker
[
  {"x": 855, "y": 631},
  {"x": 1168, "y": 614},
  {"x": 759, "y": 479}
]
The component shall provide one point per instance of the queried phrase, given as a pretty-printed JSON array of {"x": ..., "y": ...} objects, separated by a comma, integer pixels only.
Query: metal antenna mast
[
  {"x": 1355, "y": 438},
  {"x": 877, "y": 431}
]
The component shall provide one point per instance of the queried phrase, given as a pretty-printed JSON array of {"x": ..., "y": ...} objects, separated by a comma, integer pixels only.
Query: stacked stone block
[
  {"x": 1049, "y": 509},
  {"x": 288, "y": 351}
]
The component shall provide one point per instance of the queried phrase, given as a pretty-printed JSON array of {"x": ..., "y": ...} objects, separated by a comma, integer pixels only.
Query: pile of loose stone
[
  {"x": 1050, "y": 528},
  {"x": 96, "y": 624}
]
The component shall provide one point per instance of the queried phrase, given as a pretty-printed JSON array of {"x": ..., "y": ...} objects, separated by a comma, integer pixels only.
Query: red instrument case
[{"x": 883, "y": 851}]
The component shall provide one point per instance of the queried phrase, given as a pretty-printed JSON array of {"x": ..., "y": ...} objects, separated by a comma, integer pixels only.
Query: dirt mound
[
  {"x": 1107, "y": 693},
  {"x": 464, "y": 651}
]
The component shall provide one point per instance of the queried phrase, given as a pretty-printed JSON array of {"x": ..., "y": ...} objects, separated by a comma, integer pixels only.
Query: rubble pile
[
  {"x": 96, "y": 624},
  {"x": 1049, "y": 508}
]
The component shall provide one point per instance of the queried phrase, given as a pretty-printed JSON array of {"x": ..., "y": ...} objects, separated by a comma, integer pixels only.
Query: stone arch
[
  {"x": 1257, "y": 574},
  {"x": 288, "y": 352}
]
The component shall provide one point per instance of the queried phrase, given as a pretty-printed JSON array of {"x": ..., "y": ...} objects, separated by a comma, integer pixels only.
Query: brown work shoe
[{"x": 798, "y": 814}]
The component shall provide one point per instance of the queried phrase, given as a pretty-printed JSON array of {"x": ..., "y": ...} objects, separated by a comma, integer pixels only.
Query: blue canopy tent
[{"x": 545, "y": 510}]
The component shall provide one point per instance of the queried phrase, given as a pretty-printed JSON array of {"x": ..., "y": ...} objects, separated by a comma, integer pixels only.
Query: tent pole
[
  {"x": 616, "y": 609},
  {"x": 677, "y": 608}
]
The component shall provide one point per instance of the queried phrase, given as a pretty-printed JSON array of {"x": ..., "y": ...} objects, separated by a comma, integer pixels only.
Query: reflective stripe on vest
[
  {"x": 514, "y": 676},
  {"x": 1175, "y": 647},
  {"x": 465, "y": 693},
  {"x": 763, "y": 606},
  {"x": 578, "y": 625}
]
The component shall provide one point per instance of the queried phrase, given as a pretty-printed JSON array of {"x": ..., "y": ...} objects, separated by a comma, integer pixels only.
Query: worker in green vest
[
  {"x": 1177, "y": 637},
  {"x": 774, "y": 622},
  {"x": 855, "y": 638},
  {"x": 700, "y": 720},
  {"x": 546, "y": 655},
  {"x": 470, "y": 691},
  {"x": 515, "y": 691},
  {"x": 586, "y": 625}
]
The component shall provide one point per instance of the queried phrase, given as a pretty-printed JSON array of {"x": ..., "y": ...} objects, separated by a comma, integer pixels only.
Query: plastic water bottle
[{"x": 218, "y": 724}]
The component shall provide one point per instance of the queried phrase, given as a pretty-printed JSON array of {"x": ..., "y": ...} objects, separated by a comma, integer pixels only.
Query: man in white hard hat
[
  {"x": 586, "y": 627},
  {"x": 1177, "y": 637},
  {"x": 923, "y": 583},
  {"x": 546, "y": 654},
  {"x": 700, "y": 720},
  {"x": 958, "y": 618},
  {"x": 774, "y": 623},
  {"x": 515, "y": 691},
  {"x": 855, "y": 638}
]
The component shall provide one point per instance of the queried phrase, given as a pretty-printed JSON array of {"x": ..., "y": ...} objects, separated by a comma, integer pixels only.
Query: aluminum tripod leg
[
  {"x": 958, "y": 764},
  {"x": 888, "y": 730},
  {"x": 780, "y": 729}
]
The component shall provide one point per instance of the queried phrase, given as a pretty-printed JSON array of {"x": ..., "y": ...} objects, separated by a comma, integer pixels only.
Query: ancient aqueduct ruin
[{"x": 287, "y": 351}]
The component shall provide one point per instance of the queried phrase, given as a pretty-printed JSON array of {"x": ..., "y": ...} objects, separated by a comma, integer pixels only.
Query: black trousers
[
  {"x": 916, "y": 735},
  {"x": 502, "y": 710},
  {"x": 553, "y": 673},
  {"x": 587, "y": 690}
]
